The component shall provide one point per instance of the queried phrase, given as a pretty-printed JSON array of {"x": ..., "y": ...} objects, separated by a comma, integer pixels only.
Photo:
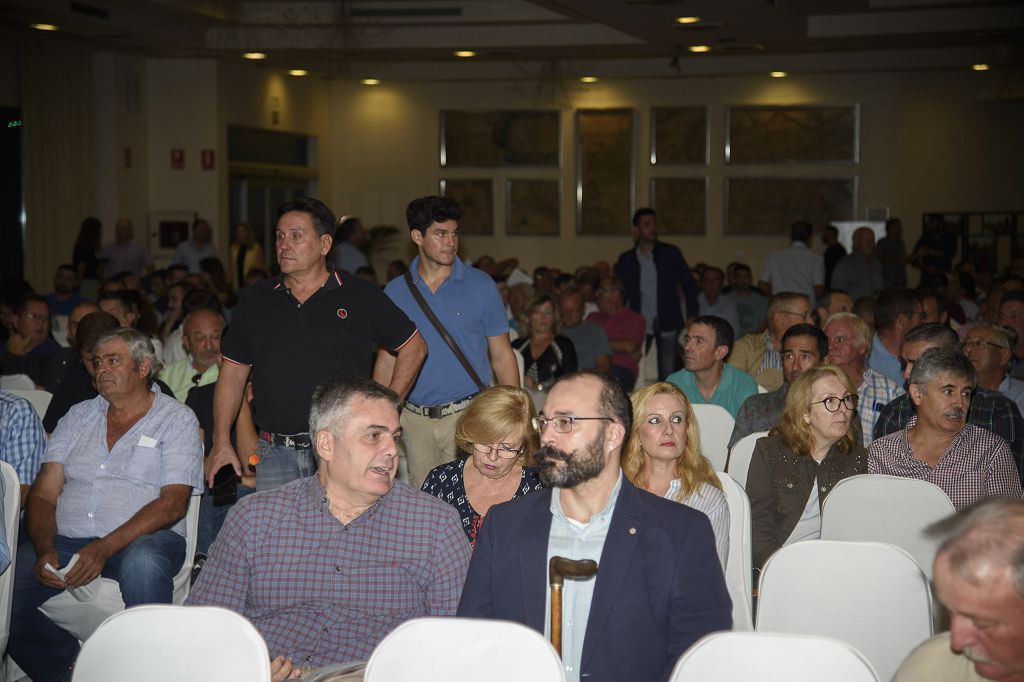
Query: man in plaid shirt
[
  {"x": 938, "y": 445},
  {"x": 326, "y": 566},
  {"x": 990, "y": 410}
]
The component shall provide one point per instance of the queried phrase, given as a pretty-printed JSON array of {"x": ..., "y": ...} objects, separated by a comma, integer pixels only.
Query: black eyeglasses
[
  {"x": 832, "y": 403},
  {"x": 502, "y": 450},
  {"x": 563, "y": 424},
  {"x": 978, "y": 343}
]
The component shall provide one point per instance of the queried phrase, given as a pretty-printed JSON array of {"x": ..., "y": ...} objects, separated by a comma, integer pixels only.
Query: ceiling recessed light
[
  {"x": 465, "y": 54},
  {"x": 699, "y": 48},
  {"x": 370, "y": 81},
  {"x": 777, "y": 74},
  {"x": 687, "y": 20},
  {"x": 980, "y": 67},
  {"x": 298, "y": 72},
  {"x": 254, "y": 55},
  {"x": 44, "y": 27},
  {"x": 588, "y": 79}
]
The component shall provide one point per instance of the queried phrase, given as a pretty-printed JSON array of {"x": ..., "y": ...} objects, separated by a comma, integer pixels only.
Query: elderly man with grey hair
[
  {"x": 111, "y": 495},
  {"x": 938, "y": 445},
  {"x": 979, "y": 578},
  {"x": 326, "y": 566},
  {"x": 990, "y": 349}
]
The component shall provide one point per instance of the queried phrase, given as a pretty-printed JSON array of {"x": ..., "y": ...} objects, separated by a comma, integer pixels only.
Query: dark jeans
[
  {"x": 144, "y": 569},
  {"x": 668, "y": 352},
  {"x": 211, "y": 518}
]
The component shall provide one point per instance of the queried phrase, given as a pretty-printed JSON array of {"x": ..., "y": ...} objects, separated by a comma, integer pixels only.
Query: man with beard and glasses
[
  {"x": 938, "y": 445},
  {"x": 659, "y": 586}
]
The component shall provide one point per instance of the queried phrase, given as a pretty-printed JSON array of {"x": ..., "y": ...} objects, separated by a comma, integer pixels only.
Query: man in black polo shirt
[{"x": 295, "y": 331}]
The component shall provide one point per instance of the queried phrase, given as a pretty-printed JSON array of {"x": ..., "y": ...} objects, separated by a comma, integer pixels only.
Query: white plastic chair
[
  {"x": 738, "y": 567},
  {"x": 731, "y": 656},
  {"x": 741, "y": 454},
  {"x": 83, "y": 618},
  {"x": 870, "y": 595},
  {"x": 12, "y": 506},
  {"x": 716, "y": 426},
  {"x": 40, "y": 399},
  {"x": 164, "y": 643},
  {"x": 9, "y": 381},
  {"x": 425, "y": 650},
  {"x": 59, "y": 329},
  {"x": 879, "y": 508}
]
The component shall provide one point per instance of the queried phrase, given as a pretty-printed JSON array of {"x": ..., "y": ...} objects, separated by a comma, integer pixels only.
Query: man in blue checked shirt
[
  {"x": 326, "y": 566},
  {"x": 22, "y": 440}
]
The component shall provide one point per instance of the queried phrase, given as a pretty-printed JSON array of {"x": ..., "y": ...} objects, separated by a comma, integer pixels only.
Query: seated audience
[
  {"x": 593, "y": 351},
  {"x": 864, "y": 308},
  {"x": 624, "y": 328},
  {"x": 989, "y": 349},
  {"x": 245, "y": 254},
  {"x": 1011, "y": 314},
  {"x": 546, "y": 353},
  {"x": 22, "y": 440},
  {"x": 849, "y": 341},
  {"x": 326, "y": 566},
  {"x": 125, "y": 306},
  {"x": 123, "y": 518},
  {"x": 795, "y": 466},
  {"x": 978, "y": 580},
  {"x": 170, "y": 328},
  {"x": 803, "y": 346},
  {"x": 938, "y": 445},
  {"x": 705, "y": 378},
  {"x": 934, "y": 306},
  {"x": 65, "y": 294},
  {"x": 29, "y": 332},
  {"x": 191, "y": 251},
  {"x": 758, "y": 354},
  {"x": 77, "y": 384},
  {"x": 659, "y": 586},
  {"x": 990, "y": 410},
  {"x": 65, "y": 358},
  {"x": 203, "y": 328},
  {"x": 711, "y": 300},
  {"x": 495, "y": 440},
  {"x": 662, "y": 456}
]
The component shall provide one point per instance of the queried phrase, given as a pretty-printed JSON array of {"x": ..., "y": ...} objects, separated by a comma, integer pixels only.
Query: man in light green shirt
[
  {"x": 201, "y": 339},
  {"x": 706, "y": 378}
]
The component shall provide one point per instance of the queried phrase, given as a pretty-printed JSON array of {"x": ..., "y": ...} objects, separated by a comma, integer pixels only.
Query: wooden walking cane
[{"x": 560, "y": 568}]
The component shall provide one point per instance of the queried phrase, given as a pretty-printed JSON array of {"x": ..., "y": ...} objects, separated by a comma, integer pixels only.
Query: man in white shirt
[{"x": 795, "y": 268}]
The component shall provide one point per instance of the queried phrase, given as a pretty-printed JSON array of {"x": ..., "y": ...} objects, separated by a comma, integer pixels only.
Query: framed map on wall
[
  {"x": 476, "y": 198},
  {"x": 679, "y": 135},
  {"x": 681, "y": 205},
  {"x": 787, "y": 134},
  {"x": 768, "y": 206},
  {"x": 604, "y": 171},
  {"x": 532, "y": 207},
  {"x": 499, "y": 138}
]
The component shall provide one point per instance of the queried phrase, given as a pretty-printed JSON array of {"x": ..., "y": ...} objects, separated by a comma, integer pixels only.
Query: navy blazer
[
  {"x": 672, "y": 272},
  {"x": 659, "y": 586}
]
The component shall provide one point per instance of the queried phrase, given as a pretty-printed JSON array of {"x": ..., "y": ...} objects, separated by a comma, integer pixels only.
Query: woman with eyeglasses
[
  {"x": 797, "y": 464},
  {"x": 662, "y": 456},
  {"x": 495, "y": 438}
]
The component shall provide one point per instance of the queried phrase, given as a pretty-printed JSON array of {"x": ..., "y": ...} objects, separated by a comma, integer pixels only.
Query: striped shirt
[
  {"x": 22, "y": 440},
  {"x": 875, "y": 392},
  {"x": 323, "y": 592},
  {"x": 976, "y": 465},
  {"x": 711, "y": 501}
]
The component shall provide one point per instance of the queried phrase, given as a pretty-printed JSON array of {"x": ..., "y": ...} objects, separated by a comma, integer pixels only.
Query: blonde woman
[
  {"x": 495, "y": 439},
  {"x": 663, "y": 457},
  {"x": 797, "y": 464}
]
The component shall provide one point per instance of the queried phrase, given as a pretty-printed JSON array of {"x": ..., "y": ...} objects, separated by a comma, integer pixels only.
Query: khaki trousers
[{"x": 428, "y": 443}]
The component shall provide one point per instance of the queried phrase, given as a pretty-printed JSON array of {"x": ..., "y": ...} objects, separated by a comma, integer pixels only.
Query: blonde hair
[
  {"x": 495, "y": 413},
  {"x": 794, "y": 431},
  {"x": 692, "y": 468},
  {"x": 536, "y": 302}
]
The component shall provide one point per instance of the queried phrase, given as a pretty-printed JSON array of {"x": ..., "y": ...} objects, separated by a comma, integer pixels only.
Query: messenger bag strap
[{"x": 443, "y": 332}]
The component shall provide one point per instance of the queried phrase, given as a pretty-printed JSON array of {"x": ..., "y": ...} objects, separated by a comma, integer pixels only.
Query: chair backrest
[
  {"x": 167, "y": 643},
  {"x": 715, "y": 428},
  {"x": 12, "y": 506},
  {"x": 9, "y": 381},
  {"x": 730, "y": 656},
  {"x": 40, "y": 399},
  {"x": 183, "y": 578},
  {"x": 738, "y": 567},
  {"x": 739, "y": 456},
  {"x": 879, "y": 508},
  {"x": 870, "y": 595},
  {"x": 444, "y": 649}
]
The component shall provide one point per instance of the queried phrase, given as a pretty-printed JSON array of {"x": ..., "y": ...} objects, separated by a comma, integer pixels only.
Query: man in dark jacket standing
[{"x": 652, "y": 272}]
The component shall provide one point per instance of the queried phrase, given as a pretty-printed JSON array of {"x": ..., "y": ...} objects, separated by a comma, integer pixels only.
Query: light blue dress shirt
[{"x": 574, "y": 540}]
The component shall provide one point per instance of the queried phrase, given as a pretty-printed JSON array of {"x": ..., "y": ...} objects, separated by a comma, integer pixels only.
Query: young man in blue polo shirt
[
  {"x": 468, "y": 305},
  {"x": 707, "y": 378}
]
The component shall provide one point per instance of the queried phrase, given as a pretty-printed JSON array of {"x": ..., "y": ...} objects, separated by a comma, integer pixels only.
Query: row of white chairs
[{"x": 146, "y": 643}]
